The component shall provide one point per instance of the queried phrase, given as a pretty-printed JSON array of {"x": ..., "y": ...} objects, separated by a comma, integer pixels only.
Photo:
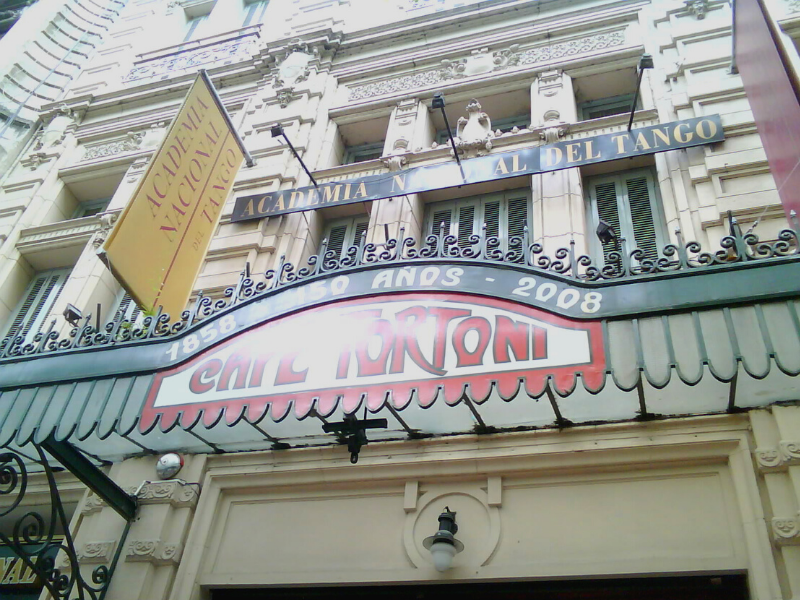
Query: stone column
[
  {"x": 559, "y": 208},
  {"x": 409, "y": 128}
]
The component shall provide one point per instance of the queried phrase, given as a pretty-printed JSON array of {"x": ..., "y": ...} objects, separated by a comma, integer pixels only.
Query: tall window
[
  {"x": 127, "y": 309},
  {"x": 343, "y": 233},
  {"x": 506, "y": 214},
  {"x": 31, "y": 313},
  {"x": 254, "y": 12},
  {"x": 191, "y": 27},
  {"x": 628, "y": 201},
  {"x": 605, "y": 107},
  {"x": 356, "y": 154}
]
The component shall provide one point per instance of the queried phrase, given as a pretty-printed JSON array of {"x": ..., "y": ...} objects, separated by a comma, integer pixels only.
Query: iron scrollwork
[
  {"x": 34, "y": 538},
  {"x": 618, "y": 264}
]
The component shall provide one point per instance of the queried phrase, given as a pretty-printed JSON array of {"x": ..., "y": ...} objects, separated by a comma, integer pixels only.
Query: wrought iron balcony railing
[{"x": 735, "y": 250}]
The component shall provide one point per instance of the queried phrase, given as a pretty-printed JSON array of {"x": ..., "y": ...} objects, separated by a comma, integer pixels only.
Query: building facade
[{"x": 582, "y": 337}]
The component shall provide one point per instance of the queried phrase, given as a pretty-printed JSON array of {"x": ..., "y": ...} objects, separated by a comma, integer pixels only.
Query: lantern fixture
[{"x": 443, "y": 545}]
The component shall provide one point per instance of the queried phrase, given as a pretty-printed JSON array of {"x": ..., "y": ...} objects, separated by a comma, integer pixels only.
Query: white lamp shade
[{"x": 443, "y": 554}]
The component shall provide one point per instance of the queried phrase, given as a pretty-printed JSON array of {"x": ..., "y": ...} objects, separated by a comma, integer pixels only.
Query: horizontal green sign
[{"x": 528, "y": 161}]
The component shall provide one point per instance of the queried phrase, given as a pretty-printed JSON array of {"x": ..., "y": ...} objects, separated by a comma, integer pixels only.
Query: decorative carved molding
[
  {"x": 793, "y": 6},
  {"x": 474, "y": 133},
  {"x": 92, "y": 504},
  {"x": 107, "y": 221},
  {"x": 155, "y": 552},
  {"x": 786, "y": 531},
  {"x": 496, "y": 61},
  {"x": 175, "y": 493},
  {"x": 285, "y": 96},
  {"x": 97, "y": 552},
  {"x": 697, "y": 8},
  {"x": 786, "y": 454},
  {"x": 132, "y": 142},
  {"x": 237, "y": 49}
]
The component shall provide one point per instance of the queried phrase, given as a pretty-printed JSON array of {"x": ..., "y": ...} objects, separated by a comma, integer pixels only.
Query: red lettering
[
  {"x": 483, "y": 328},
  {"x": 238, "y": 364},
  {"x": 510, "y": 334},
  {"x": 411, "y": 319},
  {"x": 199, "y": 383},
  {"x": 539, "y": 343},
  {"x": 384, "y": 330},
  {"x": 286, "y": 373},
  {"x": 155, "y": 186},
  {"x": 259, "y": 364},
  {"x": 195, "y": 162}
]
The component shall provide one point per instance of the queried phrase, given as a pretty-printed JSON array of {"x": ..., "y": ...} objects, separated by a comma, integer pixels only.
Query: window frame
[
  {"x": 250, "y": 10},
  {"x": 84, "y": 207},
  {"x": 192, "y": 24},
  {"x": 352, "y": 152},
  {"x": 622, "y": 101},
  {"x": 623, "y": 203},
  {"x": 352, "y": 225},
  {"x": 28, "y": 326},
  {"x": 479, "y": 217}
]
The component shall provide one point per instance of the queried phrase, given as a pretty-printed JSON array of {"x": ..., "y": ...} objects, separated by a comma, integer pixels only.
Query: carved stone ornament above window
[
  {"x": 175, "y": 64},
  {"x": 133, "y": 141},
  {"x": 474, "y": 133},
  {"x": 482, "y": 61}
]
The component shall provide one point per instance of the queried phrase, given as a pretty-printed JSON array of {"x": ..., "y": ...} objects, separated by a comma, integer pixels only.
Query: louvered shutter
[
  {"x": 441, "y": 217},
  {"x": 641, "y": 215},
  {"x": 466, "y": 222},
  {"x": 517, "y": 221},
  {"x": 491, "y": 216},
  {"x": 127, "y": 309},
  {"x": 336, "y": 238},
  {"x": 608, "y": 210},
  {"x": 360, "y": 229},
  {"x": 33, "y": 310}
]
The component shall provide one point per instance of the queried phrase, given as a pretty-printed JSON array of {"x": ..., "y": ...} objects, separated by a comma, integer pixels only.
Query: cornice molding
[{"x": 778, "y": 458}]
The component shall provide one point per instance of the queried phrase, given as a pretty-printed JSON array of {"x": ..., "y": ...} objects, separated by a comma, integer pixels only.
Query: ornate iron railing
[
  {"x": 620, "y": 264},
  {"x": 35, "y": 540}
]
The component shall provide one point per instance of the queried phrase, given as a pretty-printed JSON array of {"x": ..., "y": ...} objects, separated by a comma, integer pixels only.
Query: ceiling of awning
[{"x": 692, "y": 363}]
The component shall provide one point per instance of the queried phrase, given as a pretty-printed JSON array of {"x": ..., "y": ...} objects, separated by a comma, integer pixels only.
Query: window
[
  {"x": 604, "y": 107},
  {"x": 254, "y": 12},
  {"x": 127, "y": 309},
  {"x": 627, "y": 201},
  {"x": 191, "y": 27},
  {"x": 506, "y": 214},
  {"x": 90, "y": 209},
  {"x": 31, "y": 313},
  {"x": 357, "y": 154},
  {"x": 343, "y": 233}
]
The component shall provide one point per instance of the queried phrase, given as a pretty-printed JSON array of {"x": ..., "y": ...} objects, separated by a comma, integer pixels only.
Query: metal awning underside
[
  {"x": 689, "y": 333},
  {"x": 698, "y": 362}
]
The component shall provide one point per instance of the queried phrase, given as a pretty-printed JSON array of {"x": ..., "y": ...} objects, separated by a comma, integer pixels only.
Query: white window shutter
[
  {"x": 336, "y": 238},
  {"x": 491, "y": 217},
  {"x": 607, "y": 202},
  {"x": 360, "y": 229},
  {"x": 641, "y": 215},
  {"x": 441, "y": 216},
  {"x": 466, "y": 223},
  {"x": 35, "y": 307}
]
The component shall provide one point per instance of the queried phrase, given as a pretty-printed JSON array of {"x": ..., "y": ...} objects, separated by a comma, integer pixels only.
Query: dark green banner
[{"x": 528, "y": 161}]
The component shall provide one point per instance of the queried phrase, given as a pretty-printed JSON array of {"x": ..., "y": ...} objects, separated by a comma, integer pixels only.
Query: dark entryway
[{"x": 727, "y": 587}]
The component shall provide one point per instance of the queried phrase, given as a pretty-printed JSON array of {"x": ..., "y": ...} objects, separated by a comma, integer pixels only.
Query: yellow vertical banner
[{"x": 160, "y": 240}]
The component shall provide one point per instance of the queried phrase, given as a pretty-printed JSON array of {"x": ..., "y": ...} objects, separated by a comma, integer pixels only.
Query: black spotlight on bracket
[
  {"x": 443, "y": 544},
  {"x": 645, "y": 62},
  {"x": 277, "y": 131},
  {"x": 605, "y": 232},
  {"x": 438, "y": 102},
  {"x": 354, "y": 432},
  {"x": 73, "y": 315}
]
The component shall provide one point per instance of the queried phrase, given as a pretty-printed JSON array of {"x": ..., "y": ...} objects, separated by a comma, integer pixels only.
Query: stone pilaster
[{"x": 558, "y": 198}]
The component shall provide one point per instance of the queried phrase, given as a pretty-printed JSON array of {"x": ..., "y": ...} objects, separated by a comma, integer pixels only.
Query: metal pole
[
  {"x": 297, "y": 156},
  {"x": 635, "y": 98},
  {"x": 450, "y": 135}
]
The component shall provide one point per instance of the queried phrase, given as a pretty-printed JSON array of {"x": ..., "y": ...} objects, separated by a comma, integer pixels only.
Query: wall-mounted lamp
[
  {"x": 277, "y": 131},
  {"x": 645, "y": 62},
  {"x": 443, "y": 545},
  {"x": 73, "y": 315},
  {"x": 605, "y": 232},
  {"x": 438, "y": 102}
]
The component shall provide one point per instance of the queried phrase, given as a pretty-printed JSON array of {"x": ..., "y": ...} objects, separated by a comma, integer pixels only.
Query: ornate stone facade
[{"x": 481, "y": 61}]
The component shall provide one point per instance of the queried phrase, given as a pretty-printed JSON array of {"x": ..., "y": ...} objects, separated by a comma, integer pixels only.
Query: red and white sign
[{"x": 386, "y": 349}]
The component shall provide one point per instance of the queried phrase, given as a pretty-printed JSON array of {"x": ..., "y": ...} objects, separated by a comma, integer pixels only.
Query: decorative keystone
[
  {"x": 155, "y": 552},
  {"x": 786, "y": 531},
  {"x": 785, "y": 455}
]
